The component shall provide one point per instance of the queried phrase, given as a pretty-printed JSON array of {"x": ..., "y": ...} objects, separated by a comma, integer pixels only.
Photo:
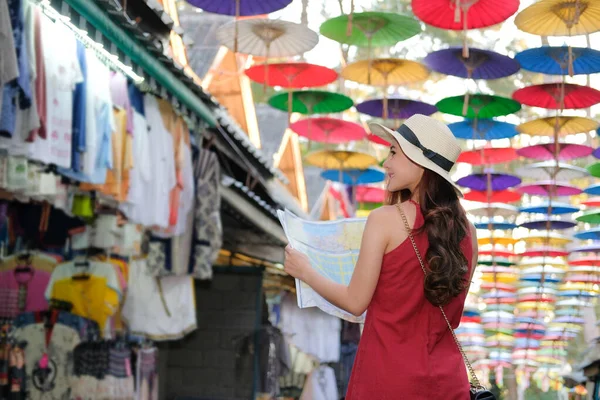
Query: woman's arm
[{"x": 355, "y": 297}]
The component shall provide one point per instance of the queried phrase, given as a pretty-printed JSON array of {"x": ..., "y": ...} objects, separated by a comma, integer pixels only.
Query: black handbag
[{"x": 477, "y": 391}]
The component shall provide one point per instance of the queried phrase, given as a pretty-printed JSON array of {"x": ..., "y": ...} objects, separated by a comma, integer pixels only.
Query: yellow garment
[{"x": 91, "y": 298}]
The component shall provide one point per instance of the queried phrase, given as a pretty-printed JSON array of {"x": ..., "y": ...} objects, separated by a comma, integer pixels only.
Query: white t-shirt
[
  {"x": 162, "y": 168},
  {"x": 62, "y": 74},
  {"x": 9, "y": 68}
]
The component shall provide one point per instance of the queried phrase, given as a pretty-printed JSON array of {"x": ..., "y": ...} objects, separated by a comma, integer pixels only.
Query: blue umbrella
[
  {"x": 593, "y": 189},
  {"x": 354, "y": 177},
  {"x": 483, "y": 129},
  {"x": 538, "y": 278},
  {"x": 590, "y": 234},
  {"x": 555, "y": 60},
  {"x": 544, "y": 208},
  {"x": 587, "y": 248},
  {"x": 495, "y": 225},
  {"x": 244, "y": 7},
  {"x": 546, "y": 223}
]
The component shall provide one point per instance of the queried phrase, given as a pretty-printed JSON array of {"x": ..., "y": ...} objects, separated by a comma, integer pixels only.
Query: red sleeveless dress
[{"x": 406, "y": 350}]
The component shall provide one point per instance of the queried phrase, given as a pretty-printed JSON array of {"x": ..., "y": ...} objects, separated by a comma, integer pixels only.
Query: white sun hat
[{"x": 426, "y": 141}]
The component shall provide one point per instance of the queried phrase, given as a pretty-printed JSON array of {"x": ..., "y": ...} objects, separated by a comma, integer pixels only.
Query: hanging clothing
[
  {"x": 22, "y": 291},
  {"x": 209, "y": 231},
  {"x": 62, "y": 74},
  {"x": 311, "y": 330},
  {"x": 159, "y": 308},
  {"x": 48, "y": 357},
  {"x": 9, "y": 67},
  {"x": 320, "y": 385},
  {"x": 401, "y": 321}
]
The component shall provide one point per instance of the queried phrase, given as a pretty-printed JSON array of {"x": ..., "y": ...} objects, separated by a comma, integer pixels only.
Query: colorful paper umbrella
[
  {"x": 488, "y": 156},
  {"x": 547, "y": 223},
  {"x": 590, "y": 234},
  {"x": 370, "y": 194},
  {"x": 550, "y": 170},
  {"x": 385, "y": 72},
  {"x": 397, "y": 108},
  {"x": 494, "y": 209},
  {"x": 492, "y": 181},
  {"x": 481, "y": 64},
  {"x": 596, "y": 152},
  {"x": 328, "y": 130},
  {"x": 549, "y": 188},
  {"x": 371, "y": 29},
  {"x": 479, "y": 106},
  {"x": 554, "y": 208},
  {"x": 587, "y": 248},
  {"x": 502, "y": 196},
  {"x": 267, "y": 37},
  {"x": 560, "y": 18},
  {"x": 593, "y": 190},
  {"x": 594, "y": 170},
  {"x": 591, "y": 202},
  {"x": 463, "y": 14},
  {"x": 312, "y": 102},
  {"x": 295, "y": 75},
  {"x": 544, "y": 251},
  {"x": 558, "y": 96},
  {"x": 377, "y": 139},
  {"x": 555, "y": 60},
  {"x": 240, "y": 7},
  {"x": 340, "y": 159},
  {"x": 590, "y": 217},
  {"x": 559, "y": 150},
  {"x": 564, "y": 125},
  {"x": 354, "y": 177},
  {"x": 483, "y": 129},
  {"x": 493, "y": 225}
]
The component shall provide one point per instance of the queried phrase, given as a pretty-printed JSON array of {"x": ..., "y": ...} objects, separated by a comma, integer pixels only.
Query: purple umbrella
[
  {"x": 596, "y": 153},
  {"x": 546, "y": 223},
  {"x": 397, "y": 108},
  {"x": 569, "y": 320},
  {"x": 244, "y": 7},
  {"x": 480, "y": 181},
  {"x": 481, "y": 64},
  {"x": 550, "y": 188}
]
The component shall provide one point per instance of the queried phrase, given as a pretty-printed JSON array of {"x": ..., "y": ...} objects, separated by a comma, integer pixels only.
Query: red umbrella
[
  {"x": 328, "y": 130},
  {"x": 544, "y": 251},
  {"x": 464, "y": 14},
  {"x": 370, "y": 194},
  {"x": 554, "y": 96},
  {"x": 488, "y": 156},
  {"x": 592, "y": 202},
  {"x": 295, "y": 75},
  {"x": 501, "y": 196},
  {"x": 377, "y": 139},
  {"x": 496, "y": 251}
]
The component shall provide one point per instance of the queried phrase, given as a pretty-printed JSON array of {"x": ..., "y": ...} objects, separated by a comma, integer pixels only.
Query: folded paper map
[{"x": 332, "y": 247}]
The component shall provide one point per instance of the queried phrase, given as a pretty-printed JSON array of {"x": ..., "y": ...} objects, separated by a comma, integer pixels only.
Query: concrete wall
[{"x": 203, "y": 365}]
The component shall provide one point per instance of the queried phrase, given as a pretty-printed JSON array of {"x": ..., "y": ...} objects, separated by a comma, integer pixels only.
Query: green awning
[{"x": 141, "y": 57}]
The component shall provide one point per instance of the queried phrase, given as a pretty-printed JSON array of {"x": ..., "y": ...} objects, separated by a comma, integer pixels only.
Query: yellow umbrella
[
  {"x": 363, "y": 213},
  {"x": 547, "y": 238},
  {"x": 385, "y": 72},
  {"x": 503, "y": 241},
  {"x": 561, "y": 18},
  {"x": 340, "y": 159},
  {"x": 565, "y": 126}
]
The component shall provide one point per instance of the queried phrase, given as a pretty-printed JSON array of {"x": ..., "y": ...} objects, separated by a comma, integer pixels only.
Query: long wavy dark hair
[{"x": 446, "y": 225}]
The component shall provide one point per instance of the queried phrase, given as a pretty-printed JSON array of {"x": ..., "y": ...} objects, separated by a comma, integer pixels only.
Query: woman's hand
[{"x": 296, "y": 263}]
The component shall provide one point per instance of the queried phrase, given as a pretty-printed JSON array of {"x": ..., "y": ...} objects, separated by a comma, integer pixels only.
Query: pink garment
[
  {"x": 34, "y": 283},
  {"x": 120, "y": 96}
]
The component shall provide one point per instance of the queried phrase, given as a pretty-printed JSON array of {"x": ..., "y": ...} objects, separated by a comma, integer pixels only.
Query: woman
[{"x": 407, "y": 350}]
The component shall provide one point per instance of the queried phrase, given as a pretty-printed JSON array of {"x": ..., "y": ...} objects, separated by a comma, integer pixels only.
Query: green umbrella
[
  {"x": 311, "y": 102},
  {"x": 369, "y": 29},
  {"x": 590, "y": 217},
  {"x": 479, "y": 106},
  {"x": 594, "y": 170},
  {"x": 499, "y": 261}
]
